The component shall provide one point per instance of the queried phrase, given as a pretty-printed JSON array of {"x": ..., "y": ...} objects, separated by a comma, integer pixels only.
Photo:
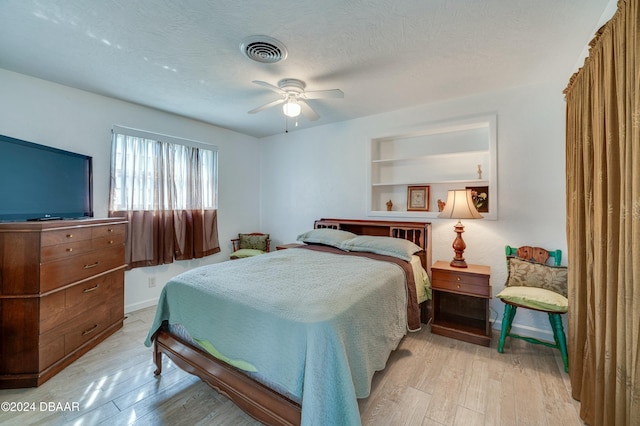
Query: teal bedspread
[{"x": 315, "y": 324}]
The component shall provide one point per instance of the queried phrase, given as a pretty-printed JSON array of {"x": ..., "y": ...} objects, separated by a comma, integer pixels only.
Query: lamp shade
[
  {"x": 291, "y": 108},
  {"x": 459, "y": 206}
]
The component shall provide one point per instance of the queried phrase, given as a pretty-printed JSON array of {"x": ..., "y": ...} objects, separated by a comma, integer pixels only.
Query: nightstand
[
  {"x": 460, "y": 298},
  {"x": 287, "y": 246}
]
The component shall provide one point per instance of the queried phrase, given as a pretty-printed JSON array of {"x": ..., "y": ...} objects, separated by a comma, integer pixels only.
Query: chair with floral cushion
[
  {"x": 248, "y": 245},
  {"x": 534, "y": 284}
]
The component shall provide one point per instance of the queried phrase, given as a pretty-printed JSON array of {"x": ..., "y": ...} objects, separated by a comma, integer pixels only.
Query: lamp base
[
  {"x": 458, "y": 247},
  {"x": 457, "y": 263}
]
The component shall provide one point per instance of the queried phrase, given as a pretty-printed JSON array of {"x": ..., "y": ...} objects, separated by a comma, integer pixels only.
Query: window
[
  {"x": 148, "y": 174},
  {"x": 166, "y": 187}
]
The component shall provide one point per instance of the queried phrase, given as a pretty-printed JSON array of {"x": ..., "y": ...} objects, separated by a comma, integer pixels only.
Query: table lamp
[{"x": 459, "y": 206}]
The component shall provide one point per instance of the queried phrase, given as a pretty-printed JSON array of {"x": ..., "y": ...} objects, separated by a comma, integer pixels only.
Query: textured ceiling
[{"x": 183, "y": 56}]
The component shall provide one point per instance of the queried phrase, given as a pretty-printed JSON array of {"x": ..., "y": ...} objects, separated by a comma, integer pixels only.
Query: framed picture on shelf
[
  {"x": 480, "y": 195},
  {"x": 418, "y": 198}
]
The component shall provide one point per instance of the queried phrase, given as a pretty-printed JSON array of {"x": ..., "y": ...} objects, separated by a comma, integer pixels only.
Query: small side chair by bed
[
  {"x": 247, "y": 245},
  {"x": 533, "y": 284}
]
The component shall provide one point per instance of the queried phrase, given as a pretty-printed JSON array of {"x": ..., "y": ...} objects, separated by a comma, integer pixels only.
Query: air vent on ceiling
[{"x": 263, "y": 49}]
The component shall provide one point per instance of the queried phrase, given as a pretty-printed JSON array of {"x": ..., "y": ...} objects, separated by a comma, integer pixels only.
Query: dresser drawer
[
  {"x": 60, "y": 251},
  {"x": 87, "y": 328},
  {"x": 108, "y": 241},
  {"x": 66, "y": 271},
  {"x": 61, "y": 307},
  {"x": 66, "y": 338},
  {"x": 62, "y": 236},
  {"x": 116, "y": 232},
  {"x": 99, "y": 290}
]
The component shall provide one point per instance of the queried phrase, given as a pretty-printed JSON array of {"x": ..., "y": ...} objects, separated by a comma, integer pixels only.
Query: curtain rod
[{"x": 129, "y": 131}]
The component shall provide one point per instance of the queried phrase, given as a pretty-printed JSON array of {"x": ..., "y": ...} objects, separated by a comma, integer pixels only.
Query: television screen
[{"x": 38, "y": 182}]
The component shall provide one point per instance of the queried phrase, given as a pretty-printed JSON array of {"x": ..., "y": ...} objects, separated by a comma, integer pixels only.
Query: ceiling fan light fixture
[{"x": 291, "y": 108}]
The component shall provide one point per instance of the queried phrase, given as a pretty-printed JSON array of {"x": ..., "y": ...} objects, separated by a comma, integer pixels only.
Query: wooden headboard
[{"x": 417, "y": 232}]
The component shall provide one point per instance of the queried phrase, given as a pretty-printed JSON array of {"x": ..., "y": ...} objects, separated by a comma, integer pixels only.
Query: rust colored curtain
[
  {"x": 156, "y": 238},
  {"x": 603, "y": 223},
  {"x": 195, "y": 234}
]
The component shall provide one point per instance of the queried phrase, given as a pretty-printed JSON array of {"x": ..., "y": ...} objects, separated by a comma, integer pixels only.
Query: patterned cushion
[
  {"x": 254, "y": 242},
  {"x": 532, "y": 274}
]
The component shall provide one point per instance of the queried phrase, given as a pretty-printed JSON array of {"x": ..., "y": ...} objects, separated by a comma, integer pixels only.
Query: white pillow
[
  {"x": 326, "y": 236},
  {"x": 389, "y": 246}
]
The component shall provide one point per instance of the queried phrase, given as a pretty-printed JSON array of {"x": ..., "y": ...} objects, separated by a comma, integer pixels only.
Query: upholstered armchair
[{"x": 247, "y": 245}]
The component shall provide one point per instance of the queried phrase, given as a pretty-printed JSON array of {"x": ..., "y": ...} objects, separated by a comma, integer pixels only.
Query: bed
[{"x": 308, "y": 351}]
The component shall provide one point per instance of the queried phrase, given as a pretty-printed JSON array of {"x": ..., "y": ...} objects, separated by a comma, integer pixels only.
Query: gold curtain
[{"x": 603, "y": 223}]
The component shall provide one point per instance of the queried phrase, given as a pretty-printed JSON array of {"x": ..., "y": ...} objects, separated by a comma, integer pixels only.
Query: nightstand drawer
[
  {"x": 288, "y": 246},
  {"x": 456, "y": 277},
  {"x": 480, "y": 288}
]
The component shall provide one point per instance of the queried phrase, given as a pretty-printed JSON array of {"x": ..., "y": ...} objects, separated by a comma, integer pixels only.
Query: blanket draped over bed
[{"x": 315, "y": 324}]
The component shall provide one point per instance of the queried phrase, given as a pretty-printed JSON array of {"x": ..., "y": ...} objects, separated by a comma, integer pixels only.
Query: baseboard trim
[
  {"x": 524, "y": 330},
  {"x": 140, "y": 305}
]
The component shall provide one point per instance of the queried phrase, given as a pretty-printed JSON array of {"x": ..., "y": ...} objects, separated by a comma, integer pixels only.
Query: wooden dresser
[{"x": 61, "y": 293}]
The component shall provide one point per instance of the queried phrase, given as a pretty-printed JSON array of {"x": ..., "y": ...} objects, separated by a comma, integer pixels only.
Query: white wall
[
  {"x": 58, "y": 116},
  {"x": 322, "y": 172}
]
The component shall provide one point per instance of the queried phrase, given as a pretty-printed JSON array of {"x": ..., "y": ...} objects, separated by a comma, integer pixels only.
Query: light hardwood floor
[{"x": 429, "y": 380}]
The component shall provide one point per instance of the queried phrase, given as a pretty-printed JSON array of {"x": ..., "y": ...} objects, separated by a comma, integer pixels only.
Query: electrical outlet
[{"x": 152, "y": 282}]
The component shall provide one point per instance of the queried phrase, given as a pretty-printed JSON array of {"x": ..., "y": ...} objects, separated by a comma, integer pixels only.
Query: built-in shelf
[
  {"x": 450, "y": 155},
  {"x": 465, "y": 182},
  {"x": 453, "y": 155}
]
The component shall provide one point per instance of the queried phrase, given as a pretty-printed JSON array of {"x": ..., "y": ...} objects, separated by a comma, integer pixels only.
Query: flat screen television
[{"x": 38, "y": 182}]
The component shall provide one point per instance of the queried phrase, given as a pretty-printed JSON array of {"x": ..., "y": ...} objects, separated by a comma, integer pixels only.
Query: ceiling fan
[{"x": 294, "y": 97}]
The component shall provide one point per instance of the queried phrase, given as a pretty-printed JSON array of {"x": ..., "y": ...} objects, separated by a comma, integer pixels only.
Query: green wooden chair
[{"x": 534, "y": 284}]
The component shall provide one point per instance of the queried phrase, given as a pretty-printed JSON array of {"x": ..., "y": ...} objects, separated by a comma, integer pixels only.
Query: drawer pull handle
[
  {"x": 89, "y": 290},
  {"x": 458, "y": 285},
  {"x": 70, "y": 249},
  {"x": 458, "y": 278},
  {"x": 69, "y": 235},
  {"x": 110, "y": 241},
  {"x": 91, "y": 330},
  {"x": 93, "y": 265},
  {"x": 109, "y": 230}
]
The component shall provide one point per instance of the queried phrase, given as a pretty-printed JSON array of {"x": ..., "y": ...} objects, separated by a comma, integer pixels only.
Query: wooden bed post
[{"x": 157, "y": 357}]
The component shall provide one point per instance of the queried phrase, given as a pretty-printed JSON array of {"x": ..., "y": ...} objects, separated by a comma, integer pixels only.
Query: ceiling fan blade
[
  {"x": 307, "y": 111},
  {"x": 265, "y": 106},
  {"x": 324, "y": 94},
  {"x": 270, "y": 86}
]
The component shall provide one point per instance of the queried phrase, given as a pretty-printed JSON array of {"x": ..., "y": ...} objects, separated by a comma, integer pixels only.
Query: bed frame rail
[{"x": 257, "y": 400}]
